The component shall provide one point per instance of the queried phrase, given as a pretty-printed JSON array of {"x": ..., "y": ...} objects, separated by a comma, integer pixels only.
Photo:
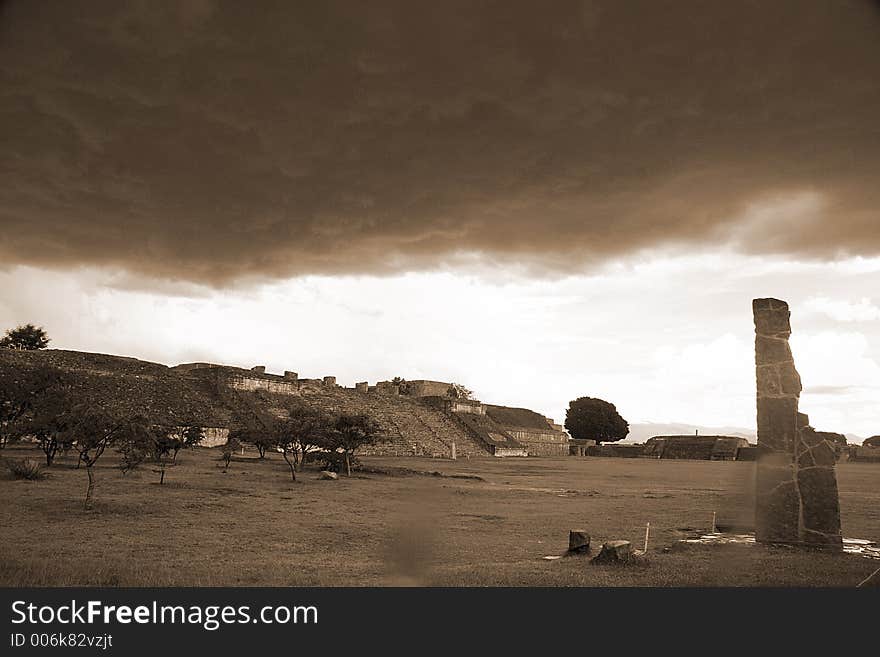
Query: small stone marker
[
  {"x": 331, "y": 476},
  {"x": 578, "y": 541},
  {"x": 614, "y": 552}
]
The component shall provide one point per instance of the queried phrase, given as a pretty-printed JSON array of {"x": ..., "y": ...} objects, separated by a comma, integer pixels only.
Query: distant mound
[{"x": 641, "y": 432}]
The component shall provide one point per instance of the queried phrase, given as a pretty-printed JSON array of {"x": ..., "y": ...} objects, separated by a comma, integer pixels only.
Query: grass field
[{"x": 488, "y": 522}]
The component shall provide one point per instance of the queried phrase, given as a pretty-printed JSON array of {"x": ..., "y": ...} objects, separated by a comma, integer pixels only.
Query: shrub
[
  {"x": 330, "y": 460},
  {"x": 26, "y": 469}
]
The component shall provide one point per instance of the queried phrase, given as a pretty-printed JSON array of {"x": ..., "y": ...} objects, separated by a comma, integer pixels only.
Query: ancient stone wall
[
  {"x": 465, "y": 406},
  {"x": 796, "y": 488},
  {"x": 214, "y": 436},
  {"x": 694, "y": 447},
  {"x": 865, "y": 454},
  {"x": 423, "y": 388},
  {"x": 541, "y": 443},
  {"x": 619, "y": 451},
  {"x": 254, "y": 383}
]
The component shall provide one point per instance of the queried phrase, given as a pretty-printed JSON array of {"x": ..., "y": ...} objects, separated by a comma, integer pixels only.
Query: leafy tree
[
  {"x": 596, "y": 419},
  {"x": 133, "y": 452},
  {"x": 26, "y": 338},
  {"x": 873, "y": 441},
  {"x": 349, "y": 433},
  {"x": 94, "y": 430},
  {"x": 330, "y": 459},
  {"x": 192, "y": 435},
  {"x": 161, "y": 442},
  {"x": 401, "y": 384},
  {"x": 51, "y": 421},
  {"x": 170, "y": 439},
  {"x": 303, "y": 430},
  {"x": 19, "y": 390},
  {"x": 263, "y": 440},
  {"x": 228, "y": 450},
  {"x": 262, "y": 437},
  {"x": 458, "y": 391}
]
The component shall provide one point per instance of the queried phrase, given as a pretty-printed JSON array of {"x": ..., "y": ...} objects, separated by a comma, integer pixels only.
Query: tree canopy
[
  {"x": 351, "y": 432},
  {"x": 458, "y": 391},
  {"x": 595, "y": 419},
  {"x": 26, "y": 338}
]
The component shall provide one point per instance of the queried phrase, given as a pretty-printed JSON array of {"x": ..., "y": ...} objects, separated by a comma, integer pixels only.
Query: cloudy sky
[{"x": 540, "y": 200}]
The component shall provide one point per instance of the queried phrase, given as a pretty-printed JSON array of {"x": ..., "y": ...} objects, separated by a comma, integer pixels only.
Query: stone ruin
[{"x": 796, "y": 487}]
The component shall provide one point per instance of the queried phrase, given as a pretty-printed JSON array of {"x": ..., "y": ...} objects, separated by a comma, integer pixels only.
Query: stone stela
[{"x": 796, "y": 487}]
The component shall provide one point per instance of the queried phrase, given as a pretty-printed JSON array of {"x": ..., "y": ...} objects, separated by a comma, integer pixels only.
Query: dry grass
[{"x": 254, "y": 527}]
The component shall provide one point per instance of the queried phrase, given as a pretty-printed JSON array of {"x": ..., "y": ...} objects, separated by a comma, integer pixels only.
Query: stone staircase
[{"x": 413, "y": 428}]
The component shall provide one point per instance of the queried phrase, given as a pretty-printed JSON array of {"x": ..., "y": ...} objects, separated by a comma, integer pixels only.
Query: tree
[
  {"x": 25, "y": 338},
  {"x": 304, "y": 429},
  {"x": 873, "y": 441},
  {"x": 402, "y": 385},
  {"x": 349, "y": 433},
  {"x": 94, "y": 430},
  {"x": 229, "y": 448},
  {"x": 171, "y": 439},
  {"x": 51, "y": 421},
  {"x": 133, "y": 452},
  {"x": 596, "y": 419},
  {"x": 262, "y": 437},
  {"x": 19, "y": 390},
  {"x": 162, "y": 442},
  {"x": 254, "y": 425},
  {"x": 458, "y": 391},
  {"x": 193, "y": 435}
]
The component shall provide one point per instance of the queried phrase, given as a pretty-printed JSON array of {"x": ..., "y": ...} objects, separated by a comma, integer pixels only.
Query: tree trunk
[
  {"x": 290, "y": 464},
  {"x": 91, "y": 489},
  {"x": 162, "y": 476},
  {"x": 50, "y": 451},
  {"x": 347, "y": 465}
]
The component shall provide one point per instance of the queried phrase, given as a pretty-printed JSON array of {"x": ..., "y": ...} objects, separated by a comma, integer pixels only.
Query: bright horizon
[{"x": 673, "y": 342}]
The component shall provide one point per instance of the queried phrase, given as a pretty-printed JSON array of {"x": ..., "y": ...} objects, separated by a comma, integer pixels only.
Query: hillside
[{"x": 217, "y": 397}]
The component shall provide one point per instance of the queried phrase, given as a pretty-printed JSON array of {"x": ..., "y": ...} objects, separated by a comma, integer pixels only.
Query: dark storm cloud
[{"x": 212, "y": 140}]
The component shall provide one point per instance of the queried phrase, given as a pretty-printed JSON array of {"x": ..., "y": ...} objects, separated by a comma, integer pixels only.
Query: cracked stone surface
[{"x": 796, "y": 487}]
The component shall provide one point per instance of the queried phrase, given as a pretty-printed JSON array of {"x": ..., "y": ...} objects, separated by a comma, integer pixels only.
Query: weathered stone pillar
[{"x": 796, "y": 489}]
